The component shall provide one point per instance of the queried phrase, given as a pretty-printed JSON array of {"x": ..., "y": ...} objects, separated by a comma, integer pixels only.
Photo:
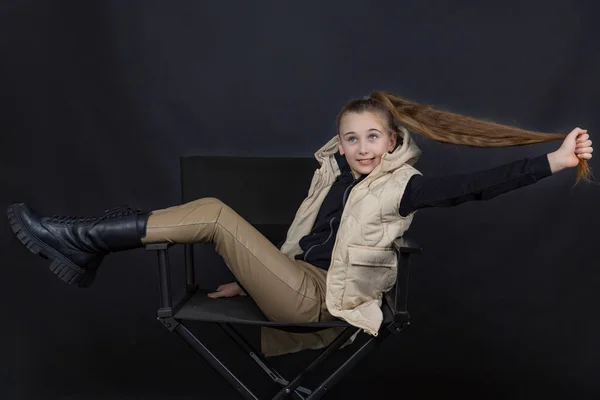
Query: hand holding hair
[{"x": 575, "y": 147}]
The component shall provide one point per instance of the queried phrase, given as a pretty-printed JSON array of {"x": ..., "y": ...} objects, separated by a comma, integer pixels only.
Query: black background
[{"x": 100, "y": 99}]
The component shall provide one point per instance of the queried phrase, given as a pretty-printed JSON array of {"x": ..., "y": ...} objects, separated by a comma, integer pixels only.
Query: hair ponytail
[{"x": 447, "y": 127}]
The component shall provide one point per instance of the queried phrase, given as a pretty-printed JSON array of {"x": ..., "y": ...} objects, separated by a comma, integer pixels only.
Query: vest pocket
[{"x": 371, "y": 272}]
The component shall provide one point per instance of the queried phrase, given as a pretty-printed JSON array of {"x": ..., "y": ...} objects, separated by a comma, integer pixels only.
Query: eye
[
  {"x": 351, "y": 138},
  {"x": 372, "y": 135}
]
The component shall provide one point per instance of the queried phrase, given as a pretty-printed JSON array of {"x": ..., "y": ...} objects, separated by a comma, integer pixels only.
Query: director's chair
[{"x": 267, "y": 193}]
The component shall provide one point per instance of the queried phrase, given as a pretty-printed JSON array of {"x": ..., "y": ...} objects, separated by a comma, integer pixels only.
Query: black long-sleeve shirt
[{"x": 420, "y": 192}]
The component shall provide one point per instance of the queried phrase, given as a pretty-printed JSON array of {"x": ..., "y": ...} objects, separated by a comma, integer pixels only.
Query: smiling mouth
[{"x": 366, "y": 161}]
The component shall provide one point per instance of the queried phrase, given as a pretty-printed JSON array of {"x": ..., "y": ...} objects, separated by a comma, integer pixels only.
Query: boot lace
[{"x": 112, "y": 213}]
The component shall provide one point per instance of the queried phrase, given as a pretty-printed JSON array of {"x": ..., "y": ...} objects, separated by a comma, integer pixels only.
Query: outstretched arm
[{"x": 448, "y": 191}]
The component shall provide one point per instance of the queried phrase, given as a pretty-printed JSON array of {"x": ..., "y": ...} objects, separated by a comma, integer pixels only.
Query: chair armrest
[
  {"x": 405, "y": 245},
  {"x": 397, "y": 297},
  {"x": 164, "y": 278}
]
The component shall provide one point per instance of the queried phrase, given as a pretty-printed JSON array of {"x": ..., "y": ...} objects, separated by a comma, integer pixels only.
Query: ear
[
  {"x": 393, "y": 141},
  {"x": 340, "y": 148}
]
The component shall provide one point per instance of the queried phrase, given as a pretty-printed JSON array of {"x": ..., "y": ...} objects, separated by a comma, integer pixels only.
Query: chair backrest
[{"x": 266, "y": 191}]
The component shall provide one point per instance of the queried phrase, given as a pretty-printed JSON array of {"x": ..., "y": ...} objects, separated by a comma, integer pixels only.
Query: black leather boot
[{"x": 77, "y": 245}]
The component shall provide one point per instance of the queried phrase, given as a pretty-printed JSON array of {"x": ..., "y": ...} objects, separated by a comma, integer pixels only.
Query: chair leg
[
  {"x": 214, "y": 362},
  {"x": 292, "y": 388},
  {"x": 274, "y": 375},
  {"x": 336, "y": 344},
  {"x": 348, "y": 365}
]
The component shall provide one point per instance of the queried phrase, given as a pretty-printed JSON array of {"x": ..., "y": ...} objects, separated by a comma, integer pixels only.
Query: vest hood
[{"x": 407, "y": 152}]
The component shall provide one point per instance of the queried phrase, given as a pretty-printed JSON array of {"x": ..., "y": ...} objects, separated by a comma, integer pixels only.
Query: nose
[{"x": 363, "y": 148}]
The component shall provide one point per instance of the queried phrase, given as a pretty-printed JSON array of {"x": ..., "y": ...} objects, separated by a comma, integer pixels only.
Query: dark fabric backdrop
[{"x": 99, "y": 99}]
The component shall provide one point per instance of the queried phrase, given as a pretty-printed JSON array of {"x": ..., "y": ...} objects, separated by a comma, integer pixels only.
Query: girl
[{"x": 363, "y": 196}]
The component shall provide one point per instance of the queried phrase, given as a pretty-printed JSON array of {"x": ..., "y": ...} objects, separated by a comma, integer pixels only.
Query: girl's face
[{"x": 364, "y": 138}]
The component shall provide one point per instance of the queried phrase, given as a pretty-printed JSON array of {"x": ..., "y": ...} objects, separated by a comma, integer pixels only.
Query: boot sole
[{"x": 61, "y": 266}]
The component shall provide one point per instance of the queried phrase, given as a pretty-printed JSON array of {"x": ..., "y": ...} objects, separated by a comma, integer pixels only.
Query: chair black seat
[{"x": 243, "y": 310}]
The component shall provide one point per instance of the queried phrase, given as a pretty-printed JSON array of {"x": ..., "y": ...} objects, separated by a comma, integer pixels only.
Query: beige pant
[{"x": 285, "y": 290}]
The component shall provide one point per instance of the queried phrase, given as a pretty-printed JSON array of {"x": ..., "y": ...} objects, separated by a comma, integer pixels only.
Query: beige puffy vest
[{"x": 363, "y": 262}]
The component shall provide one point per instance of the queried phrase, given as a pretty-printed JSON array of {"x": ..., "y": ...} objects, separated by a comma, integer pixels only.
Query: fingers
[
  {"x": 583, "y": 147},
  {"x": 584, "y": 150},
  {"x": 218, "y": 293},
  {"x": 587, "y": 143}
]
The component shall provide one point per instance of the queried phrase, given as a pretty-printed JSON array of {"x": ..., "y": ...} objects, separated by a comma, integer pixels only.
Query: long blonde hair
[{"x": 447, "y": 127}]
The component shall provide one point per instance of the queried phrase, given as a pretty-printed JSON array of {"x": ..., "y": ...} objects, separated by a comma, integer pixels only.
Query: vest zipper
[
  {"x": 366, "y": 330},
  {"x": 326, "y": 240},
  {"x": 344, "y": 198}
]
